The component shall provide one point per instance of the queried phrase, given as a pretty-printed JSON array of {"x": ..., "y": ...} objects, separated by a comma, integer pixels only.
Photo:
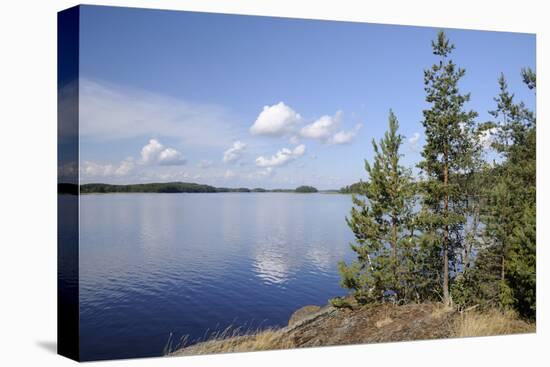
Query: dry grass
[
  {"x": 385, "y": 318},
  {"x": 491, "y": 322},
  {"x": 440, "y": 310},
  {"x": 227, "y": 342}
]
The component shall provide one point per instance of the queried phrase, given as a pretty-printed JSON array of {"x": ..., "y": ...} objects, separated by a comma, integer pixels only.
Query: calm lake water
[{"x": 190, "y": 264}]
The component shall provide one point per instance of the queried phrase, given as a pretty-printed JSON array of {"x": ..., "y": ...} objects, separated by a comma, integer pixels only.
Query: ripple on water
[{"x": 152, "y": 265}]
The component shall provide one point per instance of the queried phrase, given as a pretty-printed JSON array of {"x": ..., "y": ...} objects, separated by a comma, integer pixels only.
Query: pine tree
[
  {"x": 510, "y": 211},
  {"x": 448, "y": 154},
  {"x": 381, "y": 222}
]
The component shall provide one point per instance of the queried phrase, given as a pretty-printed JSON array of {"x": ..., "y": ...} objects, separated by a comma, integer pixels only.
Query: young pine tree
[
  {"x": 448, "y": 154},
  {"x": 381, "y": 221}
]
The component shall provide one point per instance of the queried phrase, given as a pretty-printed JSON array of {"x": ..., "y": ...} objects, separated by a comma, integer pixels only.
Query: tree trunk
[
  {"x": 396, "y": 276},
  {"x": 446, "y": 298}
]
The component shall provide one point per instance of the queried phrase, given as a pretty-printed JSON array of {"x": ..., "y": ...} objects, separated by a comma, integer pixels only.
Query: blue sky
[{"x": 250, "y": 101}]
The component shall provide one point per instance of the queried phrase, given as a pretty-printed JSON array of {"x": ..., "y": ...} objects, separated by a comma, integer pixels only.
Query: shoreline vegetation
[{"x": 177, "y": 187}]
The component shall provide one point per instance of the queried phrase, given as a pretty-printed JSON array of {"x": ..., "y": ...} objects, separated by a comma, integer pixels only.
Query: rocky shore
[{"x": 314, "y": 326}]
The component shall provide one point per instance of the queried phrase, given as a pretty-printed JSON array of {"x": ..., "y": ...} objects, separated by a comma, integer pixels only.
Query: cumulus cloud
[
  {"x": 170, "y": 157},
  {"x": 344, "y": 137},
  {"x": 276, "y": 120},
  {"x": 413, "y": 141},
  {"x": 281, "y": 120},
  {"x": 155, "y": 153},
  {"x": 91, "y": 169},
  {"x": 234, "y": 152},
  {"x": 326, "y": 130},
  {"x": 282, "y": 157},
  {"x": 322, "y": 128},
  {"x": 150, "y": 151}
]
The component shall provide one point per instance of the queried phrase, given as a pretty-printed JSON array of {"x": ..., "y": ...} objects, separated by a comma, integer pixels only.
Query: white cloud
[
  {"x": 154, "y": 152},
  {"x": 322, "y": 128},
  {"x": 344, "y": 137},
  {"x": 125, "y": 167},
  {"x": 234, "y": 152},
  {"x": 282, "y": 157},
  {"x": 96, "y": 170},
  {"x": 110, "y": 112},
  {"x": 281, "y": 120},
  {"x": 413, "y": 141},
  {"x": 276, "y": 120},
  {"x": 170, "y": 157},
  {"x": 326, "y": 130},
  {"x": 150, "y": 151}
]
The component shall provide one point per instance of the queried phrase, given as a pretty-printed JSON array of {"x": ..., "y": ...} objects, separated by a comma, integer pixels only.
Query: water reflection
[
  {"x": 155, "y": 264},
  {"x": 321, "y": 258},
  {"x": 273, "y": 262}
]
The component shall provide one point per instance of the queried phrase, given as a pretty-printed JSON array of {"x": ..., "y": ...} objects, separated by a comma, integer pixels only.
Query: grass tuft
[
  {"x": 231, "y": 340},
  {"x": 491, "y": 322}
]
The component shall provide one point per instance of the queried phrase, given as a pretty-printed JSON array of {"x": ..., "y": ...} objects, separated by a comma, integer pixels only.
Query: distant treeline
[
  {"x": 355, "y": 188},
  {"x": 173, "y": 187}
]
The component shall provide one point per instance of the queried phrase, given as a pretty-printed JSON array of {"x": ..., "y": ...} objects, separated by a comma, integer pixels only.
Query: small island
[{"x": 306, "y": 189}]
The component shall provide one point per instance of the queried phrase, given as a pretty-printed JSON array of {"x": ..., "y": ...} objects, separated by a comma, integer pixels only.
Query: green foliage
[
  {"x": 340, "y": 302},
  {"x": 355, "y": 188},
  {"x": 504, "y": 274},
  {"x": 381, "y": 219},
  {"x": 510, "y": 214},
  {"x": 529, "y": 78},
  {"x": 450, "y": 151},
  {"x": 473, "y": 241},
  {"x": 306, "y": 189},
  {"x": 521, "y": 271}
]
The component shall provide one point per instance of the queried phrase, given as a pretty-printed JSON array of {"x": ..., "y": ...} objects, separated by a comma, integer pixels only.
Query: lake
[{"x": 152, "y": 265}]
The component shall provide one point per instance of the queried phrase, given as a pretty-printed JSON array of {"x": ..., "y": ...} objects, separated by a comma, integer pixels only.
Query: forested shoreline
[{"x": 171, "y": 187}]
